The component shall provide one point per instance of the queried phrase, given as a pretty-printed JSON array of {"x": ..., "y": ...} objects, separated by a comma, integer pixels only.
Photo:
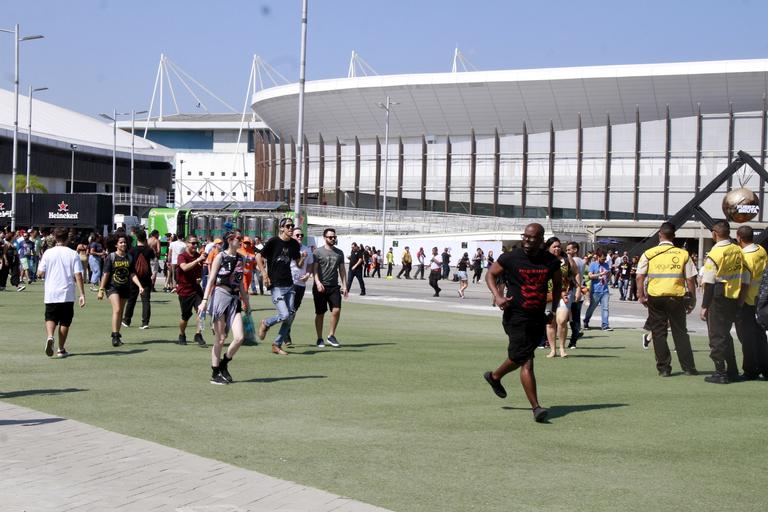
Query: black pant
[
  {"x": 4, "y": 276},
  {"x": 477, "y": 275},
  {"x": 434, "y": 277},
  {"x": 146, "y": 309},
  {"x": 721, "y": 315},
  {"x": 389, "y": 269},
  {"x": 356, "y": 273},
  {"x": 419, "y": 271},
  {"x": 298, "y": 296},
  {"x": 406, "y": 269},
  {"x": 376, "y": 271},
  {"x": 663, "y": 310},
  {"x": 754, "y": 345},
  {"x": 575, "y": 323}
]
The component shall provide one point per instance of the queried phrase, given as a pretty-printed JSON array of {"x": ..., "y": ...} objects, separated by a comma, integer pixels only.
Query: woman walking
[
  {"x": 558, "y": 327},
  {"x": 477, "y": 265},
  {"x": 461, "y": 273},
  {"x": 116, "y": 280},
  {"x": 223, "y": 300}
]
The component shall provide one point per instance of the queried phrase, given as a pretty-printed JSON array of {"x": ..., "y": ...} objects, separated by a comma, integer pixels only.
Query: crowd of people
[{"x": 541, "y": 286}]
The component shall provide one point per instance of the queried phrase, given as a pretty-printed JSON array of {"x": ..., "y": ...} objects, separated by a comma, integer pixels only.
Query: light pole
[
  {"x": 29, "y": 134},
  {"x": 113, "y": 118},
  {"x": 181, "y": 182},
  {"x": 300, "y": 149},
  {"x": 73, "y": 147},
  {"x": 16, "y": 40},
  {"x": 133, "y": 143},
  {"x": 387, "y": 107}
]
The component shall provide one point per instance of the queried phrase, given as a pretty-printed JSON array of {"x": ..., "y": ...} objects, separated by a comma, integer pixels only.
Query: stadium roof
[
  {"x": 58, "y": 127},
  {"x": 193, "y": 122},
  {"x": 455, "y": 103}
]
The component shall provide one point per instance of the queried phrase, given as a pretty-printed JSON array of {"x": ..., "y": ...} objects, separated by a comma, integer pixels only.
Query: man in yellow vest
[
  {"x": 726, "y": 282},
  {"x": 754, "y": 344},
  {"x": 668, "y": 270}
]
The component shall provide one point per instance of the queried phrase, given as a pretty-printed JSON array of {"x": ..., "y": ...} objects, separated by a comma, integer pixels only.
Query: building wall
[{"x": 665, "y": 164}]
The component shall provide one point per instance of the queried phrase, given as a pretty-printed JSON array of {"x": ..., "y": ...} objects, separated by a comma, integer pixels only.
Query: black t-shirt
[
  {"x": 526, "y": 280},
  {"x": 462, "y": 264},
  {"x": 120, "y": 269},
  {"x": 624, "y": 270},
  {"x": 279, "y": 254},
  {"x": 355, "y": 256}
]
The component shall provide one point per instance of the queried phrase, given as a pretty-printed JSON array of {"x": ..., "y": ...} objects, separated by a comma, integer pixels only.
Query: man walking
[
  {"x": 668, "y": 270},
  {"x": 754, "y": 345},
  {"x": 526, "y": 271},
  {"x": 328, "y": 269},
  {"x": 356, "y": 262},
  {"x": 435, "y": 263},
  {"x": 600, "y": 275},
  {"x": 421, "y": 257},
  {"x": 446, "y": 262},
  {"x": 278, "y": 253},
  {"x": 390, "y": 263},
  {"x": 301, "y": 274},
  {"x": 143, "y": 262},
  {"x": 189, "y": 271},
  {"x": 62, "y": 269},
  {"x": 725, "y": 282},
  {"x": 407, "y": 261}
]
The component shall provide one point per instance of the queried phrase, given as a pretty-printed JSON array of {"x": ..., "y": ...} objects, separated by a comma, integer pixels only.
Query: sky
[{"x": 98, "y": 55}]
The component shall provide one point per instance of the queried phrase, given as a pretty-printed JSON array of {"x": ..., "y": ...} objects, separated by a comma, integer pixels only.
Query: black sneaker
[
  {"x": 49, "y": 347},
  {"x": 224, "y": 371},
  {"x": 665, "y": 373},
  {"x": 540, "y": 414},
  {"x": 199, "y": 340},
  {"x": 717, "y": 378},
  {"x": 182, "y": 339},
  {"x": 116, "y": 341},
  {"x": 691, "y": 373},
  {"x": 218, "y": 379},
  {"x": 495, "y": 385},
  {"x": 332, "y": 341},
  {"x": 320, "y": 343}
]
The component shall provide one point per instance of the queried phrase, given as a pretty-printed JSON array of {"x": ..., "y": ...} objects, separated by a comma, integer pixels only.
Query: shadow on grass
[
  {"x": 162, "y": 342},
  {"x": 31, "y": 422},
  {"x": 111, "y": 353},
  {"x": 312, "y": 352},
  {"x": 268, "y": 380},
  {"x": 588, "y": 356},
  {"x": 600, "y": 348},
  {"x": 558, "y": 411},
  {"x": 31, "y": 392}
]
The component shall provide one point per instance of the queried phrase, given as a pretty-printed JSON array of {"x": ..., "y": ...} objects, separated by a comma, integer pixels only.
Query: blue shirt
[{"x": 600, "y": 284}]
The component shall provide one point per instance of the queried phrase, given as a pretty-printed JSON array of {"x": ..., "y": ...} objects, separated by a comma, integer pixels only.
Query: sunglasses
[
  {"x": 288, "y": 225},
  {"x": 299, "y": 235},
  {"x": 333, "y": 237}
]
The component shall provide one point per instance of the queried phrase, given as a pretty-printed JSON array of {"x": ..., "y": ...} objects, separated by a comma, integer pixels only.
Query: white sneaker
[
  {"x": 144, "y": 327},
  {"x": 124, "y": 324},
  {"x": 646, "y": 340}
]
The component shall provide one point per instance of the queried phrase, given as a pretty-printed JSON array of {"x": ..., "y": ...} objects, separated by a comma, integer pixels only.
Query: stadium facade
[{"x": 609, "y": 142}]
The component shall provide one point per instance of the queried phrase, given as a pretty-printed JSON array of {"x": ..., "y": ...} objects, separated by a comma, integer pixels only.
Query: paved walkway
[{"x": 49, "y": 463}]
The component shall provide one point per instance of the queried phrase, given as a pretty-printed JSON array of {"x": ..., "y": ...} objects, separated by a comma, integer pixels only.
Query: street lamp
[
  {"x": 181, "y": 182},
  {"x": 29, "y": 134},
  {"x": 113, "y": 118},
  {"x": 133, "y": 141},
  {"x": 16, "y": 40},
  {"x": 386, "y": 107},
  {"x": 73, "y": 147},
  {"x": 302, "y": 69}
]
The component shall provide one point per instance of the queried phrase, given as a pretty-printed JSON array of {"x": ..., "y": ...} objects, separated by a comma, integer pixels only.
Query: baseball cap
[{"x": 218, "y": 241}]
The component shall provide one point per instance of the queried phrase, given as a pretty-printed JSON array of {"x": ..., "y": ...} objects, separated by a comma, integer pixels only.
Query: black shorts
[
  {"x": 122, "y": 292},
  {"x": 60, "y": 313},
  {"x": 330, "y": 298},
  {"x": 524, "y": 335},
  {"x": 189, "y": 305}
]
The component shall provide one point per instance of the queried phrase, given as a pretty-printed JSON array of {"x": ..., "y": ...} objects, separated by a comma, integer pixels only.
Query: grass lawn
[{"x": 401, "y": 417}]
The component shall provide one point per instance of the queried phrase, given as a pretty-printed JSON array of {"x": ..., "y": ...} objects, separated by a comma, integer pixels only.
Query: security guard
[
  {"x": 754, "y": 344},
  {"x": 725, "y": 287},
  {"x": 668, "y": 270}
]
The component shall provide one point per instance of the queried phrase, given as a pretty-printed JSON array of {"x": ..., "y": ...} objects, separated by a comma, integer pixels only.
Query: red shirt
[{"x": 186, "y": 281}]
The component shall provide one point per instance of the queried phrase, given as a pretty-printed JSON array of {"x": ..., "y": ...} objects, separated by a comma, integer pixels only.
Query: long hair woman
[
  {"x": 116, "y": 280},
  {"x": 461, "y": 272},
  {"x": 223, "y": 300},
  {"x": 558, "y": 328}
]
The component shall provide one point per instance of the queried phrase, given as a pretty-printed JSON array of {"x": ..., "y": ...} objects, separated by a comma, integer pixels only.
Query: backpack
[{"x": 141, "y": 266}]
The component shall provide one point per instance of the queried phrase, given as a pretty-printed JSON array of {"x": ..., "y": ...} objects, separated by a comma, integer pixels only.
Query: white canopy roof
[
  {"x": 455, "y": 103},
  {"x": 59, "y": 127}
]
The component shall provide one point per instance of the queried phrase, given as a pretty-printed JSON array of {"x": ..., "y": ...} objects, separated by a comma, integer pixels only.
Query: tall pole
[
  {"x": 181, "y": 183},
  {"x": 29, "y": 135},
  {"x": 300, "y": 138},
  {"x": 72, "y": 172},
  {"x": 15, "y": 126},
  {"x": 386, "y": 175},
  {"x": 133, "y": 122},
  {"x": 114, "y": 162}
]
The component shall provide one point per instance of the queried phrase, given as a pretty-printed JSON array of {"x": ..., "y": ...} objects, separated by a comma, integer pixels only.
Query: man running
[
  {"x": 328, "y": 268},
  {"x": 189, "y": 272},
  {"x": 61, "y": 268},
  {"x": 526, "y": 272},
  {"x": 278, "y": 253}
]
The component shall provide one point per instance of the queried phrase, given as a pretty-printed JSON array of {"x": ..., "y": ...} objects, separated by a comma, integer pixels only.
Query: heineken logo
[{"x": 63, "y": 212}]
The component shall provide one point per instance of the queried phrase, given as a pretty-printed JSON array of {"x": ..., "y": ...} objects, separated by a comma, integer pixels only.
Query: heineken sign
[{"x": 63, "y": 212}]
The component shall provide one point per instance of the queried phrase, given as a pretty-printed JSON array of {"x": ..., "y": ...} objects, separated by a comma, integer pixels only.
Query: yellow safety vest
[
  {"x": 756, "y": 262},
  {"x": 729, "y": 266},
  {"x": 666, "y": 271}
]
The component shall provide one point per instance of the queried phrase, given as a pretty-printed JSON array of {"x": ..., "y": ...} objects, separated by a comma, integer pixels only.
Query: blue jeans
[
  {"x": 95, "y": 263},
  {"x": 596, "y": 298},
  {"x": 282, "y": 298},
  {"x": 623, "y": 288}
]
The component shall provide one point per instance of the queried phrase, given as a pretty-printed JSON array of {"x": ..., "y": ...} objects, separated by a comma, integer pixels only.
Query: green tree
[{"x": 35, "y": 185}]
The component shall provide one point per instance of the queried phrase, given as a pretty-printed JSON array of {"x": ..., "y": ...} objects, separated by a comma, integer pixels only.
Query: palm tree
[{"x": 35, "y": 185}]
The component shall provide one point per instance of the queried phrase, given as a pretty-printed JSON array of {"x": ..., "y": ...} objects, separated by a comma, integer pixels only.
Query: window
[
  {"x": 189, "y": 193},
  {"x": 221, "y": 193},
  {"x": 223, "y": 174},
  {"x": 199, "y": 192},
  {"x": 246, "y": 174},
  {"x": 189, "y": 173},
  {"x": 200, "y": 173}
]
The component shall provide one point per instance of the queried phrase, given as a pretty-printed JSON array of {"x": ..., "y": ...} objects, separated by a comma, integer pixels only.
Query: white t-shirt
[
  {"x": 177, "y": 247},
  {"x": 296, "y": 271},
  {"x": 60, "y": 265}
]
